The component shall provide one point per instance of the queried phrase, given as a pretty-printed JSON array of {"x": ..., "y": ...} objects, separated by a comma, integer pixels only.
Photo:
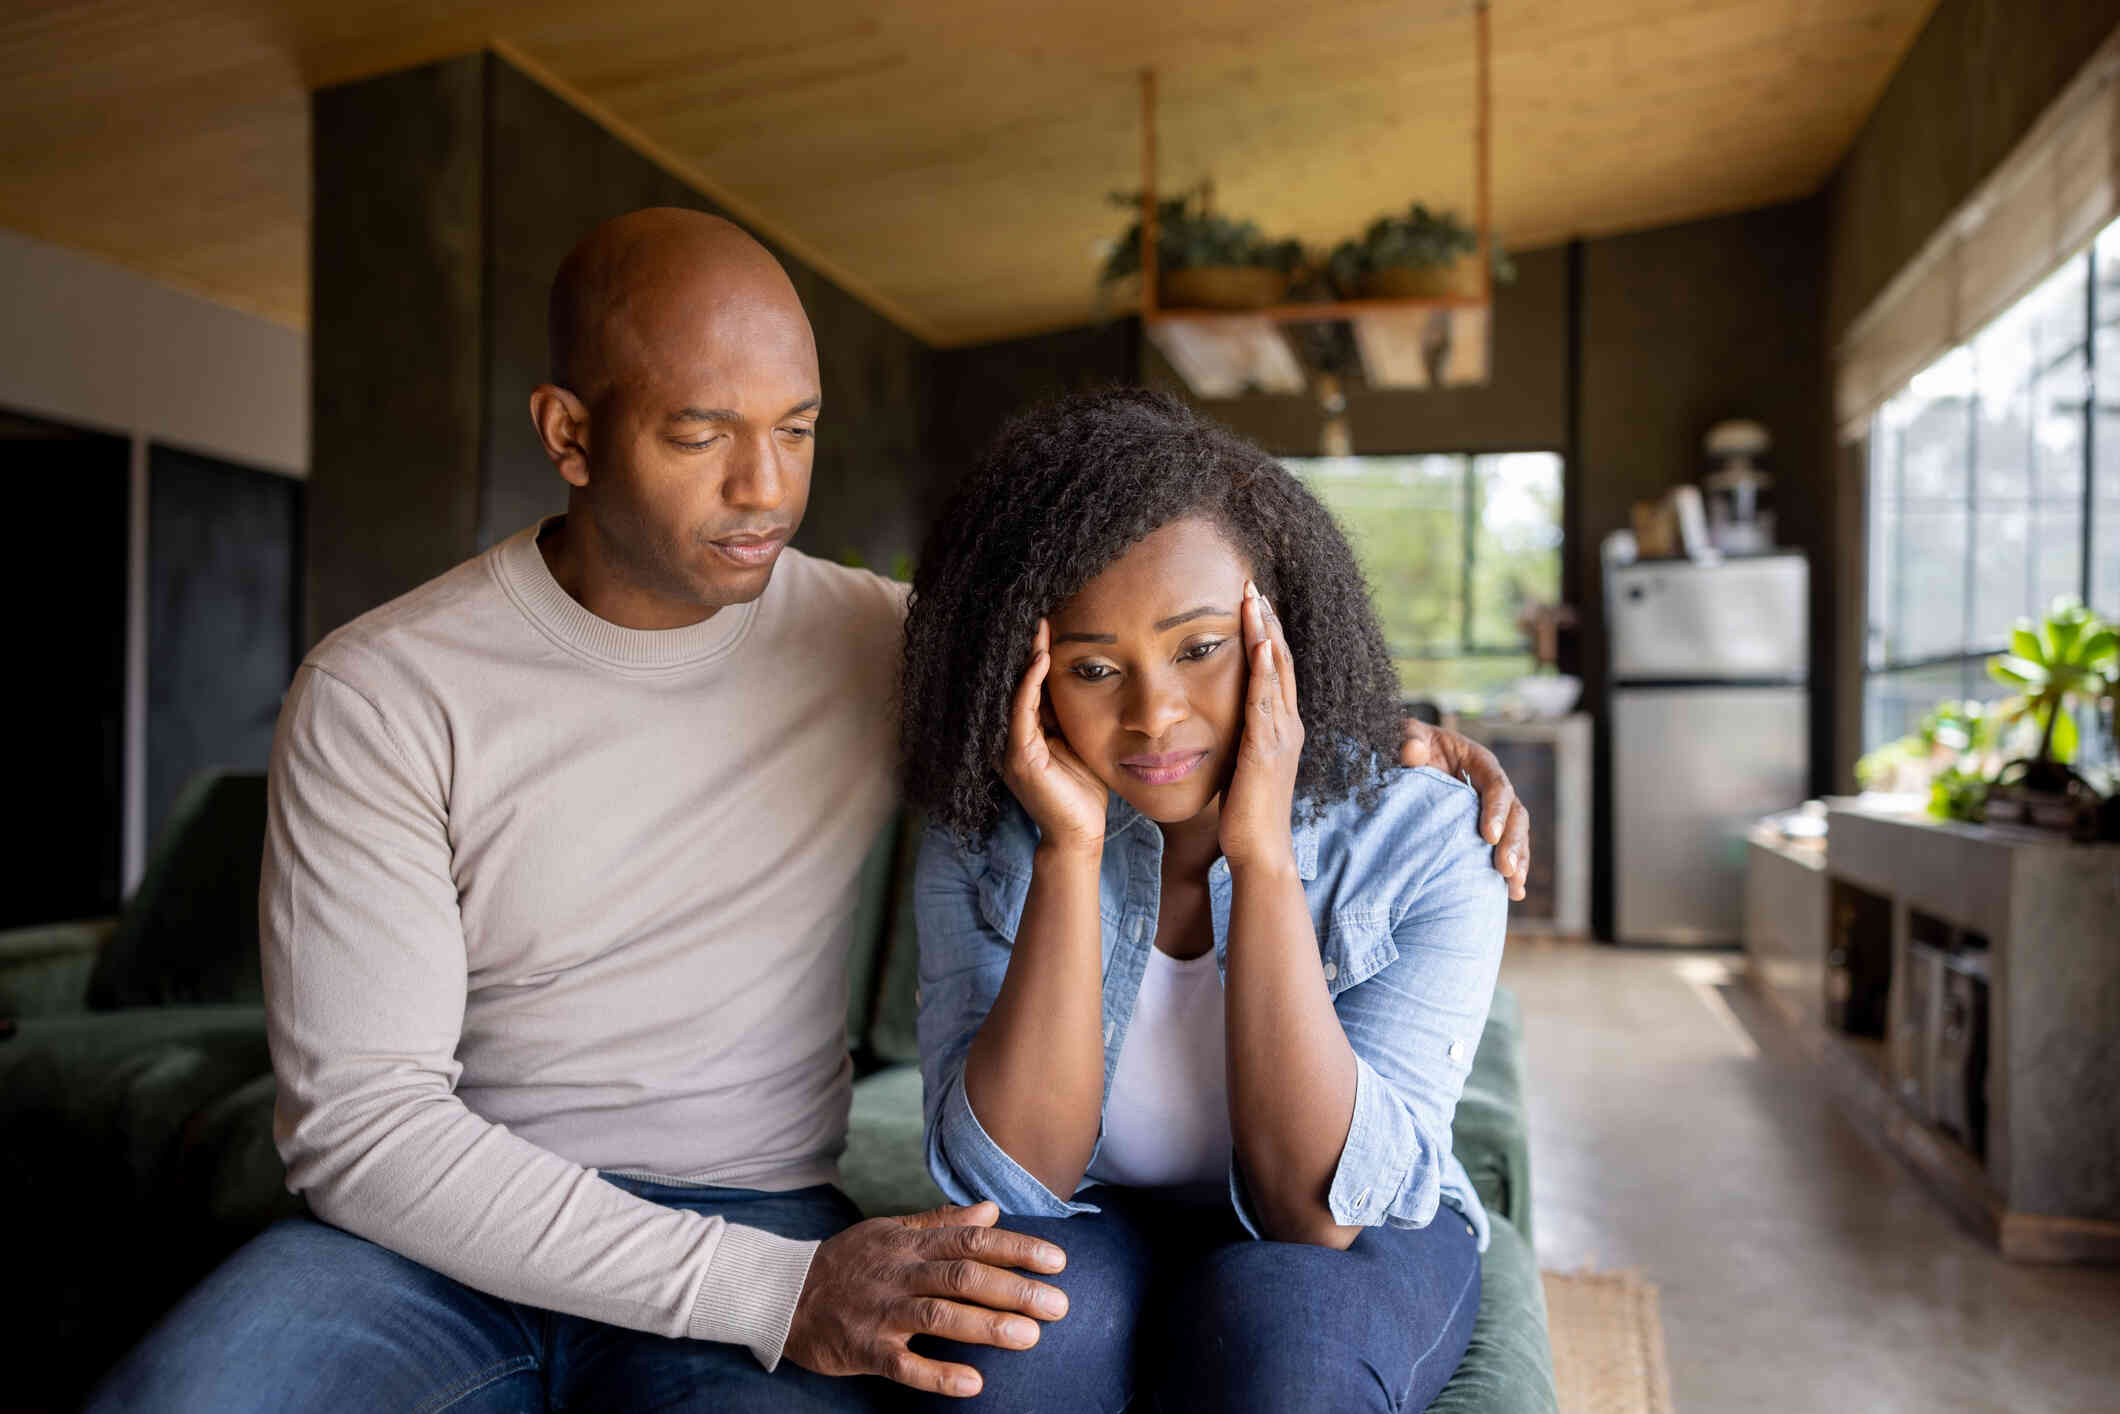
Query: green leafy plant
[
  {"x": 1190, "y": 235},
  {"x": 2053, "y": 665},
  {"x": 1420, "y": 239}
]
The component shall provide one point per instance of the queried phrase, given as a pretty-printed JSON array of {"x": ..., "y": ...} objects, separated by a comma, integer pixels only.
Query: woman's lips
[{"x": 1163, "y": 769}]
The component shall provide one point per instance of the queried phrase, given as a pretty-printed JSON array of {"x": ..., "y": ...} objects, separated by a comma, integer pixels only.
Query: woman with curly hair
[{"x": 1202, "y": 967}]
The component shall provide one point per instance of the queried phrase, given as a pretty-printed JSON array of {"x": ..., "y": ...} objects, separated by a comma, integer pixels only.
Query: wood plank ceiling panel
[{"x": 949, "y": 158}]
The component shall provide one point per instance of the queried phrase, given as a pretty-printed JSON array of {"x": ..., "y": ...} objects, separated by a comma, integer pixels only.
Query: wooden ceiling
[{"x": 948, "y": 160}]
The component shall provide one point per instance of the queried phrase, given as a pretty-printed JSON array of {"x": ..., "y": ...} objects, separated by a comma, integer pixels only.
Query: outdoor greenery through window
[
  {"x": 1994, "y": 486},
  {"x": 1453, "y": 547}
]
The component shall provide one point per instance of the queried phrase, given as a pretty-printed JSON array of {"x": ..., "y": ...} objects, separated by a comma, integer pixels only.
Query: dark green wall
[
  {"x": 977, "y": 389},
  {"x": 445, "y": 198},
  {"x": 1975, "y": 80},
  {"x": 396, "y": 234}
]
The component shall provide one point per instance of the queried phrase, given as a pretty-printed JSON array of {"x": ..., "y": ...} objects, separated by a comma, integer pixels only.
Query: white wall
[{"x": 88, "y": 343}]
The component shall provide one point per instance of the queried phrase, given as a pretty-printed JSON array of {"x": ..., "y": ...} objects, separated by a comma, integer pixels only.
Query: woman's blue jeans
[
  {"x": 1174, "y": 1308},
  {"x": 308, "y": 1317}
]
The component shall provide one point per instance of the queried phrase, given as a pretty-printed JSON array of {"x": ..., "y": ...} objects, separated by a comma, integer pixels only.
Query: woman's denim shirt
[{"x": 1409, "y": 914}]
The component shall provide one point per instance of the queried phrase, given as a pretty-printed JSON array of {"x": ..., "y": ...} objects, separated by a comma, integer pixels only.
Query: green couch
[{"x": 136, "y": 1096}]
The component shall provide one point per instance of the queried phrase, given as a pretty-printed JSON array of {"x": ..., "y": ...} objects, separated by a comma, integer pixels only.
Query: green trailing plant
[
  {"x": 1953, "y": 753},
  {"x": 2066, "y": 659},
  {"x": 1190, "y": 235},
  {"x": 1419, "y": 239},
  {"x": 1956, "y": 793}
]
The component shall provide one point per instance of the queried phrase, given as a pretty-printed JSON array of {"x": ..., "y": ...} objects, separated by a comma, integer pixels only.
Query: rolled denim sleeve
[
  {"x": 963, "y": 959},
  {"x": 1414, "y": 1026}
]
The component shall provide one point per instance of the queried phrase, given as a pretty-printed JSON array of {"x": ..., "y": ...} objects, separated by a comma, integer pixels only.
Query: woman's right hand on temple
[{"x": 1060, "y": 793}]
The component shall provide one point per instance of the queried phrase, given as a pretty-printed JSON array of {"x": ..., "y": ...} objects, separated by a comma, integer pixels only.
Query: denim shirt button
[
  {"x": 1457, "y": 1050},
  {"x": 1332, "y": 970}
]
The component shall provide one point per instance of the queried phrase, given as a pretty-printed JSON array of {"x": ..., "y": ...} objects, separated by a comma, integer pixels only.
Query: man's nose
[{"x": 756, "y": 480}]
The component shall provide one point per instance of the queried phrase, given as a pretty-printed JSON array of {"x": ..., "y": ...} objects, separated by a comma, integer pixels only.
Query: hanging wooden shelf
[{"x": 1404, "y": 343}]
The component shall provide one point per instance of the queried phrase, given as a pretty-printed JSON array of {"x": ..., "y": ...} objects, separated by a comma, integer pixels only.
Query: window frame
[
  {"x": 1890, "y": 446},
  {"x": 1468, "y": 510}
]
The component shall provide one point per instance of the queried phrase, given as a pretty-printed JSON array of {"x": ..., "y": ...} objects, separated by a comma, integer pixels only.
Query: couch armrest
[{"x": 44, "y": 970}]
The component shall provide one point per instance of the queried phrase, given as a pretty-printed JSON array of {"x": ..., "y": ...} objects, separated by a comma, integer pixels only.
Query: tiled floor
[{"x": 1675, "y": 1131}]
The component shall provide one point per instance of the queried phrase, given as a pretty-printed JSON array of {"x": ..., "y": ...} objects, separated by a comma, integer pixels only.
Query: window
[
  {"x": 1994, "y": 487},
  {"x": 1453, "y": 547}
]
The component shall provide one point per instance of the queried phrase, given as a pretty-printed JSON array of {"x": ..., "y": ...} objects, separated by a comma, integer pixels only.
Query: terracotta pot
[
  {"x": 1423, "y": 282},
  {"x": 1221, "y": 287}
]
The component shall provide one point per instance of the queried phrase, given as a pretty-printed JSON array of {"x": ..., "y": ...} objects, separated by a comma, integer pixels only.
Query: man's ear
[{"x": 562, "y": 423}]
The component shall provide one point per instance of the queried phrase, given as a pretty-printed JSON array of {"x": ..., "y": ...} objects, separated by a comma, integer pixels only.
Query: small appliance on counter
[{"x": 1740, "y": 493}]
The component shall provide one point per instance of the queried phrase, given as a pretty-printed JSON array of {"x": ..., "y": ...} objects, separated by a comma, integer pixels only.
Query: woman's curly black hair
[{"x": 1065, "y": 491}]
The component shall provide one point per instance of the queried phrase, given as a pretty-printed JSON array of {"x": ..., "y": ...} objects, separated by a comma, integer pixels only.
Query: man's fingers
[
  {"x": 1497, "y": 796},
  {"x": 996, "y": 1288},
  {"x": 995, "y": 1246},
  {"x": 1514, "y": 856},
  {"x": 970, "y": 1325},
  {"x": 902, "y": 1366},
  {"x": 1413, "y": 743},
  {"x": 950, "y": 1215}
]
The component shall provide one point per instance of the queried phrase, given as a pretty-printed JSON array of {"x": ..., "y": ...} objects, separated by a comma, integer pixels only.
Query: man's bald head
[
  {"x": 682, "y": 413},
  {"x": 624, "y": 286}
]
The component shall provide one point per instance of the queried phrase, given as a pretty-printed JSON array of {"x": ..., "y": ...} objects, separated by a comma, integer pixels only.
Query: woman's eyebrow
[
  {"x": 1204, "y": 611},
  {"x": 1085, "y": 638}
]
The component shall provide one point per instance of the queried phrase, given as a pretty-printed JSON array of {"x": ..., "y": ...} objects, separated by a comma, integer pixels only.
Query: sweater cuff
[{"x": 748, "y": 1296}]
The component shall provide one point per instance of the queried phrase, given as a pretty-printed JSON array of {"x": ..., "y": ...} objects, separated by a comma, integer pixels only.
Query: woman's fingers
[
  {"x": 1263, "y": 695},
  {"x": 1025, "y": 732},
  {"x": 1285, "y": 661}
]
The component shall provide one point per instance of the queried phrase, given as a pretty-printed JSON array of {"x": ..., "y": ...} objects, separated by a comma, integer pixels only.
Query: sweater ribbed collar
[{"x": 528, "y": 581}]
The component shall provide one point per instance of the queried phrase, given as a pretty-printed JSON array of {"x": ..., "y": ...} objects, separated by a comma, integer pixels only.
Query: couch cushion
[
  {"x": 190, "y": 931},
  {"x": 1508, "y": 1368},
  {"x": 100, "y": 1111},
  {"x": 894, "y": 1032},
  {"x": 872, "y": 916},
  {"x": 1488, "y": 1133},
  {"x": 884, "y": 1169}
]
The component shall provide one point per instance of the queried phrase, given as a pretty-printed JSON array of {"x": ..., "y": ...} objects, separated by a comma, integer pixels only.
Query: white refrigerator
[{"x": 1710, "y": 730}]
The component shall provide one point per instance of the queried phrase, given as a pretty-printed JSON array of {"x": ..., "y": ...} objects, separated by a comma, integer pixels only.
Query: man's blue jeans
[
  {"x": 1173, "y": 1305},
  {"x": 308, "y": 1317}
]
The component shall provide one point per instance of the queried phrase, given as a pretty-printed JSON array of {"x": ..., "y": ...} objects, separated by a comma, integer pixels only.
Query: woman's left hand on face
[{"x": 1261, "y": 796}]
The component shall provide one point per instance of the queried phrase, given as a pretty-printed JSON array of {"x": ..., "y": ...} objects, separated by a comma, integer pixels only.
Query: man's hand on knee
[{"x": 948, "y": 1272}]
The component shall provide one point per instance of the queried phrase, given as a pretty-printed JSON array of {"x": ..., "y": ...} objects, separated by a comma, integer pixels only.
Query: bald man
[{"x": 558, "y": 895}]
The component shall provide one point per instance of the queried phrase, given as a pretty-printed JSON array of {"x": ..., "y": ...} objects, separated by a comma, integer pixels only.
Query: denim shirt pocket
[
  {"x": 1357, "y": 946},
  {"x": 1001, "y": 896}
]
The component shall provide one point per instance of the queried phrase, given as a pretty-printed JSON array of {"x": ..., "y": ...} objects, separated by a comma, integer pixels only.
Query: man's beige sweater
[{"x": 545, "y": 896}]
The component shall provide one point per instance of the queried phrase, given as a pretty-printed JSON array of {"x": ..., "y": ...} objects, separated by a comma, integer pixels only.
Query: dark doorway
[
  {"x": 64, "y": 582},
  {"x": 223, "y": 605}
]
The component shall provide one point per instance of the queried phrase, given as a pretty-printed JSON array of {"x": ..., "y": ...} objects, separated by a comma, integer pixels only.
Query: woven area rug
[{"x": 1608, "y": 1344}]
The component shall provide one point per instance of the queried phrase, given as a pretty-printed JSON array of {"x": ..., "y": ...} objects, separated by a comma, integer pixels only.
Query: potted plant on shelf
[
  {"x": 2062, "y": 662},
  {"x": 1204, "y": 259},
  {"x": 1422, "y": 254}
]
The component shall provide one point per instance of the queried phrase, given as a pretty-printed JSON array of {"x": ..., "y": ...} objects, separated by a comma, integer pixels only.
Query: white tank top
[{"x": 1166, "y": 1121}]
